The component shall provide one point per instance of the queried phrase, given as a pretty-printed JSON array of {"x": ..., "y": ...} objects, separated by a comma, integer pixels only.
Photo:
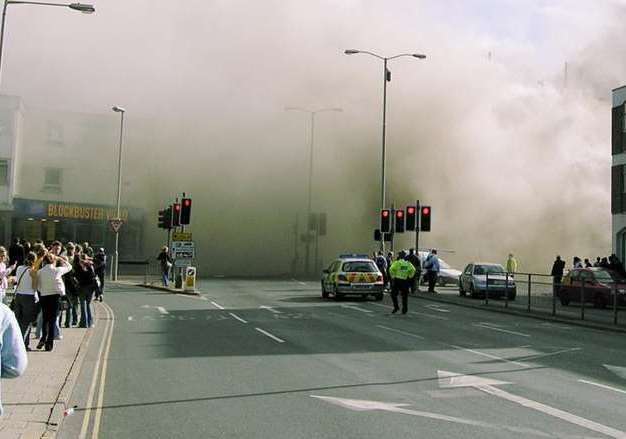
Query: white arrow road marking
[
  {"x": 162, "y": 310},
  {"x": 604, "y": 386},
  {"x": 490, "y": 326},
  {"x": 237, "y": 317},
  {"x": 436, "y": 308},
  {"x": 617, "y": 370},
  {"x": 452, "y": 380},
  {"x": 271, "y": 309},
  {"x": 273, "y": 337},
  {"x": 217, "y": 305},
  {"x": 356, "y": 308},
  {"x": 360, "y": 405},
  {"x": 400, "y": 332}
]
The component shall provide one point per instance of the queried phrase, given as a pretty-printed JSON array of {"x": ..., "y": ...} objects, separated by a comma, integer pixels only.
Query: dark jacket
[
  {"x": 557, "y": 268},
  {"x": 16, "y": 254},
  {"x": 164, "y": 258}
]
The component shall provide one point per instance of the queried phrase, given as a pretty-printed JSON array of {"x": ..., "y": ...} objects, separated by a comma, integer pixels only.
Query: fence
[
  {"x": 145, "y": 271},
  {"x": 538, "y": 293}
]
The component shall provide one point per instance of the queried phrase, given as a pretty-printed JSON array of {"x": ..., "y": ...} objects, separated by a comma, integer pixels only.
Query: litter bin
[{"x": 190, "y": 279}]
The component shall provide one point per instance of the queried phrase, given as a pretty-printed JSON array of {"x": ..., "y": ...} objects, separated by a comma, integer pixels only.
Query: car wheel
[
  {"x": 472, "y": 291},
  {"x": 462, "y": 292},
  {"x": 599, "y": 301},
  {"x": 379, "y": 297},
  {"x": 338, "y": 296},
  {"x": 324, "y": 292}
]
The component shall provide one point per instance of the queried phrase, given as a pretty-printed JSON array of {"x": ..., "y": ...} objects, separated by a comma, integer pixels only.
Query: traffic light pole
[
  {"x": 382, "y": 182},
  {"x": 417, "y": 227}
]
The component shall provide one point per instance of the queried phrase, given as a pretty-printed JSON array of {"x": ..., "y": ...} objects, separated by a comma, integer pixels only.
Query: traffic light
[
  {"x": 185, "y": 212},
  {"x": 165, "y": 218},
  {"x": 385, "y": 221},
  {"x": 399, "y": 221},
  {"x": 175, "y": 214},
  {"x": 411, "y": 216},
  {"x": 425, "y": 219}
]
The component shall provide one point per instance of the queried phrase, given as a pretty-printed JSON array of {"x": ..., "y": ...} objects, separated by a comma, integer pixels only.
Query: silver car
[
  {"x": 474, "y": 280},
  {"x": 447, "y": 275}
]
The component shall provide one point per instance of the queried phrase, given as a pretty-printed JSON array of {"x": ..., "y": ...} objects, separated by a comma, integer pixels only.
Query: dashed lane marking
[
  {"x": 162, "y": 310},
  {"x": 272, "y": 336},
  {"x": 485, "y": 326},
  {"x": 270, "y": 309},
  {"x": 493, "y": 357},
  {"x": 429, "y": 315},
  {"x": 356, "y": 308},
  {"x": 436, "y": 308},
  {"x": 237, "y": 317},
  {"x": 217, "y": 305},
  {"x": 603, "y": 386},
  {"x": 409, "y": 334}
]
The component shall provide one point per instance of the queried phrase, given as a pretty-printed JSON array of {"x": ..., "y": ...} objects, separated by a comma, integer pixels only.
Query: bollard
[
  {"x": 487, "y": 288},
  {"x": 506, "y": 290},
  {"x": 614, "y": 290},
  {"x": 582, "y": 300},
  {"x": 529, "y": 290}
]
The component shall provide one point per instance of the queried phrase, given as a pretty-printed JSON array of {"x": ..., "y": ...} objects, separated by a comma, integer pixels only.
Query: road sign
[
  {"x": 181, "y": 236},
  {"x": 182, "y": 262},
  {"x": 183, "y": 250},
  {"x": 116, "y": 224}
]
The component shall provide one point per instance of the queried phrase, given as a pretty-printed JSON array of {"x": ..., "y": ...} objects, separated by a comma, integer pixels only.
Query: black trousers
[
  {"x": 49, "y": 312},
  {"x": 400, "y": 286},
  {"x": 432, "y": 280},
  {"x": 556, "y": 285},
  {"x": 25, "y": 313}
]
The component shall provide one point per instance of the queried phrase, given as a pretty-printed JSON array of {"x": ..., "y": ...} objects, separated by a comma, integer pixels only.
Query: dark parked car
[{"x": 595, "y": 284}]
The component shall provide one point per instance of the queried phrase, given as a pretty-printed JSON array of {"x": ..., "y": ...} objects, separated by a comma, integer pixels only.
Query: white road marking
[
  {"x": 359, "y": 405},
  {"x": 485, "y": 326},
  {"x": 296, "y": 280},
  {"x": 273, "y": 337},
  {"x": 429, "y": 315},
  {"x": 549, "y": 354},
  {"x": 436, "y": 308},
  {"x": 162, "y": 310},
  {"x": 493, "y": 357},
  {"x": 400, "y": 332},
  {"x": 604, "y": 386},
  {"x": 217, "y": 305},
  {"x": 617, "y": 370},
  {"x": 271, "y": 309},
  {"x": 486, "y": 385},
  {"x": 189, "y": 296},
  {"x": 237, "y": 317},
  {"x": 103, "y": 377},
  {"x": 356, "y": 308}
]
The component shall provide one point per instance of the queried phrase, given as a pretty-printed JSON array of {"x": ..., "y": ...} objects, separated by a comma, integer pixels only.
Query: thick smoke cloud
[{"x": 512, "y": 156}]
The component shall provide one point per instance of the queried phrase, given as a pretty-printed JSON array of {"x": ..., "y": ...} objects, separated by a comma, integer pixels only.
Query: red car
[{"x": 597, "y": 284}]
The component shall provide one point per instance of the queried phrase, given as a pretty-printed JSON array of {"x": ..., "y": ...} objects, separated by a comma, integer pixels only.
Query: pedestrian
[
  {"x": 26, "y": 301},
  {"x": 166, "y": 265},
  {"x": 557, "y": 274},
  {"x": 16, "y": 252},
  {"x": 100, "y": 266},
  {"x": 414, "y": 259},
  {"x": 381, "y": 263},
  {"x": 604, "y": 263},
  {"x": 71, "y": 289},
  {"x": 27, "y": 246},
  {"x": 577, "y": 263},
  {"x": 401, "y": 271},
  {"x": 87, "y": 249},
  {"x": 86, "y": 277},
  {"x": 588, "y": 263},
  {"x": 616, "y": 265},
  {"x": 4, "y": 273},
  {"x": 598, "y": 262},
  {"x": 13, "y": 360},
  {"x": 511, "y": 264},
  {"x": 389, "y": 262},
  {"x": 431, "y": 265},
  {"x": 56, "y": 248},
  {"x": 50, "y": 286}
]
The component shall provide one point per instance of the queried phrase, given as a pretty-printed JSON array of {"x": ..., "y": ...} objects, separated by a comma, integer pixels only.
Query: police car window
[
  {"x": 335, "y": 266},
  {"x": 359, "y": 267},
  {"x": 468, "y": 269}
]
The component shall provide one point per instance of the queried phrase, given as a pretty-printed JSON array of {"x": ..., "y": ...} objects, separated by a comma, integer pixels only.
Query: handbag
[{"x": 12, "y": 304}]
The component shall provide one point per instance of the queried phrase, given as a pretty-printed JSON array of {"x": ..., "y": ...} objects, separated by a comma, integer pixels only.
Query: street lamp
[
  {"x": 122, "y": 111},
  {"x": 386, "y": 78},
  {"x": 81, "y": 7},
  {"x": 312, "y": 113}
]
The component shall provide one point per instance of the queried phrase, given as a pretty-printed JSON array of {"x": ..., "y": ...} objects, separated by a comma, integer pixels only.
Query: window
[
  {"x": 359, "y": 267},
  {"x": 4, "y": 172},
  {"x": 52, "y": 179},
  {"x": 55, "y": 133}
]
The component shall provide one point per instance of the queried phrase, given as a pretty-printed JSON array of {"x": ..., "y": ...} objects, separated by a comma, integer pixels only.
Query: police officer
[{"x": 401, "y": 272}]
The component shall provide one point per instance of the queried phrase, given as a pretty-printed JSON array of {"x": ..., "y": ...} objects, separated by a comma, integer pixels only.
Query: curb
[
  {"x": 160, "y": 288},
  {"x": 531, "y": 314}
]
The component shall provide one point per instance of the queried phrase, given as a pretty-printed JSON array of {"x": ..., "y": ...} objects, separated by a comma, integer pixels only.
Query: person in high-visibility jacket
[
  {"x": 511, "y": 264},
  {"x": 401, "y": 272}
]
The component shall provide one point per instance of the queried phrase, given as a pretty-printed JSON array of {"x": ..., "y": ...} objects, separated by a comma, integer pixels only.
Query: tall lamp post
[
  {"x": 312, "y": 113},
  {"x": 81, "y": 7},
  {"x": 122, "y": 111},
  {"x": 386, "y": 78}
]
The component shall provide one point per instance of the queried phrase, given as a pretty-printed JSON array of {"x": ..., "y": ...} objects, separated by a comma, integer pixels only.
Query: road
[{"x": 271, "y": 359}]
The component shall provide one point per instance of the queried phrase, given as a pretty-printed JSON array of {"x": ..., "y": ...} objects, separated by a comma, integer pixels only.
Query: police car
[{"x": 352, "y": 275}]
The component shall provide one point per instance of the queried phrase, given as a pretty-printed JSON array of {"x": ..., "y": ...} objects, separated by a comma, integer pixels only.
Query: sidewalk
[
  {"x": 155, "y": 285},
  {"x": 34, "y": 403}
]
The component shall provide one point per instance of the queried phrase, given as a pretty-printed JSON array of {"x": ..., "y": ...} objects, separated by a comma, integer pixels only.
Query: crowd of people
[
  {"x": 403, "y": 273},
  {"x": 53, "y": 287}
]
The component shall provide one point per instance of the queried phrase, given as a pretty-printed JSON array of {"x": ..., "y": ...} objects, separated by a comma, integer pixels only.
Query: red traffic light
[
  {"x": 410, "y": 210},
  {"x": 176, "y": 206},
  {"x": 385, "y": 213},
  {"x": 399, "y": 213},
  {"x": 187, "y": 202},
  {"x": 425, "y": 210}
]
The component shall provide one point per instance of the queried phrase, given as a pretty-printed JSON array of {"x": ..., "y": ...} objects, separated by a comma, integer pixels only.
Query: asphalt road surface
[{"x": 271, "y": 359}]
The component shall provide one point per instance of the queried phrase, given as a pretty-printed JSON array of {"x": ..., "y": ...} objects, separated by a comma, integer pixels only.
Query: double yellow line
[{"x": 100, "y": 372}]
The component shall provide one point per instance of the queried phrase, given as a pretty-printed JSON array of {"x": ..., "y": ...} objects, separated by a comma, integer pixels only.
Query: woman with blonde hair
[
  {"x": 50, "y": 286},
  {"x": 4, "y": 273}
]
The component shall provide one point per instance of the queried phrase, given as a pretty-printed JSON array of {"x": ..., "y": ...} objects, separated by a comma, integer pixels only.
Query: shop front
[{"x": 64, "y": 221}]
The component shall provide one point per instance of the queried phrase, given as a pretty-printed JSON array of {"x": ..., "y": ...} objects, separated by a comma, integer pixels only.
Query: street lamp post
[
  {"x": 312, "y": 113},
  {"x": 386, "y": 78},
  {"x": 122, "y": 111},
  {"x": 81, "y": 7}
]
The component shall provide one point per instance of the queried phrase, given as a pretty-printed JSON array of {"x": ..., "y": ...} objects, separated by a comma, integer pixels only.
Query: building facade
[{"x": 618, "y": 170}]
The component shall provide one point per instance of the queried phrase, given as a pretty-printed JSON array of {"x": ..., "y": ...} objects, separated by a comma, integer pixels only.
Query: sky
[{"x": 512, "y": 155}]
